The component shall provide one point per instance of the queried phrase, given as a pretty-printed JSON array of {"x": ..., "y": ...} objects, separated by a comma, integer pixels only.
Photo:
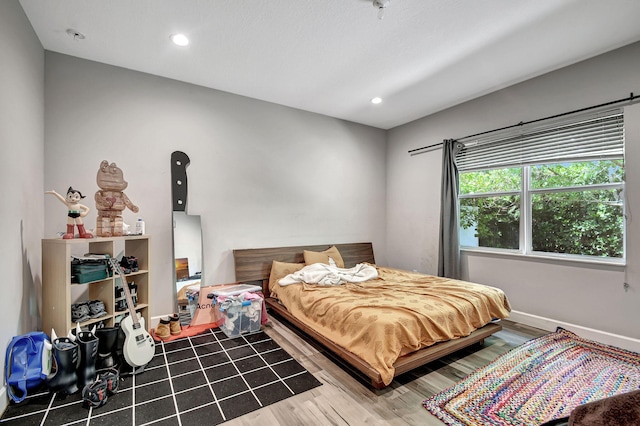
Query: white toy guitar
[{"x": 139, "y": 346}]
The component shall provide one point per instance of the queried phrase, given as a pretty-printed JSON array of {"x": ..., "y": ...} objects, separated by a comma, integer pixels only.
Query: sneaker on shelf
[
  {"x": 97, "y": 309},
  {"x": 80, "y": 312},
  {"x": 119, "y": 292},
  {"x": 133, "y": 290},
  {"x": 129, "y": 264},
  {"x": 124, "y": 265},
  {"x": 133, "y": 261},
  {"x": 121, "y": 305}
]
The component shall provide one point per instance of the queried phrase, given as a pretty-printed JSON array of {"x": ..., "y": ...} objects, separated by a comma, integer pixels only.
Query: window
[{"x": 551, "y": 191}]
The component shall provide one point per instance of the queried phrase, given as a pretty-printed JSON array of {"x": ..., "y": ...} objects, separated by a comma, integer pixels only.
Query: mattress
[{"x": 397, "y": 313}]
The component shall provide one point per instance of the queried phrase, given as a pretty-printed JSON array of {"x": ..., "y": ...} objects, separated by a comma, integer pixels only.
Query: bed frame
[{"x": 254, "y": 265}]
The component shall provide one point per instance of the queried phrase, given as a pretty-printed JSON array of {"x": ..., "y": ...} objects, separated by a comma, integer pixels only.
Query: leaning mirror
[{"x": 187, "y": 241}]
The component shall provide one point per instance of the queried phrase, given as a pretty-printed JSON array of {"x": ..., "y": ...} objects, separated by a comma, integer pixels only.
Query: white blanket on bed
[{"x": 322, "y": 274}]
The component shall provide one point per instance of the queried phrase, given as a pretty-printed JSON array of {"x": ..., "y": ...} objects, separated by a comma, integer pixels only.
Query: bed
[{"x": 344, "y": 332}]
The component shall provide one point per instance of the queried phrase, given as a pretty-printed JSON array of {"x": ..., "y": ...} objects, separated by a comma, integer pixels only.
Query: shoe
[
  {"x": 80, "y": 312},
  {"x": 66, "y": 356},
  {"x": 163, "y": 329},
  {"x": 129, "y": 264},
  {"x": 111, "y": 377},
  {"x": 133, "y": 290},
  {"x": 121, "y": 305},
  {"x": 119, "y": 292},
  {"x": 97, "y": 309},
  {"x": 88, "y": 350},
  {"x": 107, "y": 338},
  {"x": 96, "y": 393},
  {"x": 124, "y": 265},
  {"x": 175, "y": 326},
  {"x": 133, "y": 261}
]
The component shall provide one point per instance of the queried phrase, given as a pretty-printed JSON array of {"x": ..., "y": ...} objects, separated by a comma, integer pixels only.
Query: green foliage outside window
[
  {"x": 577, "y": 174},
  {"x": 586, "y": 223},
  {"x": 496, "y": 220},
  {"x": 495, "y": 180},
  {"x": 566, "y": 214}
]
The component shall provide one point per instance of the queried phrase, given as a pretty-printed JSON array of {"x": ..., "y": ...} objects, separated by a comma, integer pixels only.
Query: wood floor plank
[{"x": 344, "y": 399}]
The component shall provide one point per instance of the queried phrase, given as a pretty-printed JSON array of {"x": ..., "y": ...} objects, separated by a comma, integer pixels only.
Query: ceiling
[{"x": 332, "y": 56}]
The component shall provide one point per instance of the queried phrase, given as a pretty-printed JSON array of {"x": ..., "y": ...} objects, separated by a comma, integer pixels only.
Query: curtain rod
[{"x": 522, "y": 123}]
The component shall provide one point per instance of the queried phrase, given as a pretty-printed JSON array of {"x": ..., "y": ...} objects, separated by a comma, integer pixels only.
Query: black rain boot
[
  {"x": 65, "y": 353},
  {"x": 124, "y": 368},
  {"x": 107, "y": 338},
  {"x": 88, "y": 347}
]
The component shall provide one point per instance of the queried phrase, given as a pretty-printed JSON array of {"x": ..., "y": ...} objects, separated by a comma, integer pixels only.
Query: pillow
[
  {"x": 311, "y": 257},
  {"x": 280, "y": 270}
]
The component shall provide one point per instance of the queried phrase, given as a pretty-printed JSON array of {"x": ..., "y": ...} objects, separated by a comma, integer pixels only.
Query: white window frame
[{"x": 526, "y": 224}]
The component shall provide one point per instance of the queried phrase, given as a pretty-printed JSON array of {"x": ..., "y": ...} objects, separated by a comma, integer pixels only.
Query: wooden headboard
[{"x": 255, "y": 264}]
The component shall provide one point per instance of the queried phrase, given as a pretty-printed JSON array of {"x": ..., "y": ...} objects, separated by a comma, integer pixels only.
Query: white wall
[
  {"x": 587, "y": 295},
  {"x": 261, "y": 174},
  {"x": 21, "y": 173}
]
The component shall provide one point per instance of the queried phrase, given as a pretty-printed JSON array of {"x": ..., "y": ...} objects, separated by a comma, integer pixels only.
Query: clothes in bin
[
  {"x": 240, "y": 307},
  {"x": 193, "y": 294}
]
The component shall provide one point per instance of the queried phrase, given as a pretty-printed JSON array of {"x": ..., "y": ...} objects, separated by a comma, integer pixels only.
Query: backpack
[{"x": 28, "y": 363}]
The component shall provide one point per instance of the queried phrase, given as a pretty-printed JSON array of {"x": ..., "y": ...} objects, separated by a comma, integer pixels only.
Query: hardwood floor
[{"x": 345, "y": 400}]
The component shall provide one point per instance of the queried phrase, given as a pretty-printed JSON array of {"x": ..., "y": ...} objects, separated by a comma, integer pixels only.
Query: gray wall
[
  {"x": 588, "y": 295},
  {"x": 21, "y": 174},
  {"x": 261, "y": 174}
]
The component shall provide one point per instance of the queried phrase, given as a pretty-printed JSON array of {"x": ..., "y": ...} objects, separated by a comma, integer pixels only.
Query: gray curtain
[{"x": 449, "y": 250}]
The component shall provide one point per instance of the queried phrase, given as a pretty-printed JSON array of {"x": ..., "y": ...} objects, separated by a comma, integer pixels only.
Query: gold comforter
[{"x": 395, "y": 314}]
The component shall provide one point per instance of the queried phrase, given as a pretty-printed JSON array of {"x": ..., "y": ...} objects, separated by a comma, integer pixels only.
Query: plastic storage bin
[{"x": 241, "y": 315}]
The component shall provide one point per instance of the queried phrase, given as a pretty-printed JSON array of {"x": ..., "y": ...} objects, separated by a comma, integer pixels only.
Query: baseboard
[
  {"x": 4, "y": 399},
  {"x": 156, "y": 320},
  {"x": 549, "y": 324}
]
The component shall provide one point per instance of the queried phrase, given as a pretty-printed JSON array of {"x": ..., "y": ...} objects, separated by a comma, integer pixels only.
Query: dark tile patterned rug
[{"x": 204, "y": 379}]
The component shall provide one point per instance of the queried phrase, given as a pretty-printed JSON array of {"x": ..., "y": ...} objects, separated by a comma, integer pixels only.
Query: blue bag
[{"x": 27, "y": 364}]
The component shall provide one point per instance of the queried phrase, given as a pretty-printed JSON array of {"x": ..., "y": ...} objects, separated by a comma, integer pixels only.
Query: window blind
[{"x": 581, "y": 138}]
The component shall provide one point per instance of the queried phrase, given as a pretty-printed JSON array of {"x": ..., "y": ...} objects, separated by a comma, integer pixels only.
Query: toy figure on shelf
[
  {"x": 76, "y": 212},
  {"x": 111, "y": 201}
]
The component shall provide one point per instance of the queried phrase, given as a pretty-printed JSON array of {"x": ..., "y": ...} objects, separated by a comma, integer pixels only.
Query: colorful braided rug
[{"x": 541, "y": 380}]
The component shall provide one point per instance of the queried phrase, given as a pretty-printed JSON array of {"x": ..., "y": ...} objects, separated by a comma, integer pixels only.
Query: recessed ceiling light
[
  {"x": 180, "y": 39},
  {"x": 376, "y": 100}
]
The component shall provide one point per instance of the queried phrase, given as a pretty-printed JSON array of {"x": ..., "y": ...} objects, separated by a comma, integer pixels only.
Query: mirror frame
[{"x": 179, "y": 195}]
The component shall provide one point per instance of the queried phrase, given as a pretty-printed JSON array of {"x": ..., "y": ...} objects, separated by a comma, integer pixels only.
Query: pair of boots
[
  {"x": 77, "y": 356},
  {"x": 168, "y": 327},
  {"x": 70, "y": 235}
]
